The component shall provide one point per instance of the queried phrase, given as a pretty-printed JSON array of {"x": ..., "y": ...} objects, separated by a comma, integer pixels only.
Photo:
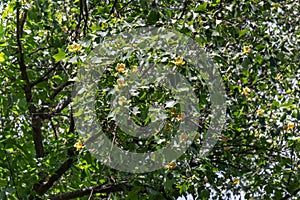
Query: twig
[
  {"x": 54, "y": 130},
  {"x": 63, "y": 105},
  {"x": 113, "y": 8},
  {"x": 184, "y": 8},
  {"x": 38, "y": 49},
  {"x": 44, "y": 76},
  {"x": 124, "y": 6},
  {"x": 86, "y": 17},
  {"x": 90, "y": 195}
]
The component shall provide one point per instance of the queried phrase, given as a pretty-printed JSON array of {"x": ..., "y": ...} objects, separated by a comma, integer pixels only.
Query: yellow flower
[
  {"x": 78, "y": 145},
  {"x": 122, "y": 100},
  {"x": 121, "y": 82},
  {"x": 183, "y": 138},
  {"x": 246, "y": 91},
  {"x": 274, "y": 5},
  {"x": 224, "y": 139},
  {"x": 74, "y": 47},
  {"x": 171, "y": 165},
  {"x": 226, "y": 148},
  {"x": 120, "y": 67},
  {"x": 173, "y": 111},
  {"x": 64, "y": 28},
  {"x": 179, "y": 61},
  {"x": 260, "y": 111},
  {"x": 134, "y": 69},
  {"x": 247, "y": 49},
  {"x": 179, "y": 117},
  {"x": 236, "y": 181},
  {"x": 167, "y": 127},
  {"x": 291, "y": 126}
]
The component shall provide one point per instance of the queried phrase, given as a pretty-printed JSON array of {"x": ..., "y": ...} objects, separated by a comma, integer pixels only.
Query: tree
[{"x": 44, "y": 43}]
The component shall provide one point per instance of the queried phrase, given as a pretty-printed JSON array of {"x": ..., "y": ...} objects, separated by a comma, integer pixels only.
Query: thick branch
[
  {"x": 77, "y": 28},
  {"x": 289, "y": 196},
  {"x": 92, "y": 190},
  {"x": 60, "y": 88},
  {"x": 63, "y": 105},
  {"x": 36, "y": 123},
  {"x": 42, "y": 188},
  {"x": 21, "y": 60},
  {"x": 36, "y": 120}
]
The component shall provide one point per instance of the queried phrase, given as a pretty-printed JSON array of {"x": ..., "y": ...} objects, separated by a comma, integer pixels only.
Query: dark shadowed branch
[
  {"x": 185, "y": 3},
  {"x": 60, "y": 88},
  {"x": 92, "y": 190},
  {"x": 36, "y": 120},
  {"x": 42, "y": 188},
  {"x": 45, "y": 76}
]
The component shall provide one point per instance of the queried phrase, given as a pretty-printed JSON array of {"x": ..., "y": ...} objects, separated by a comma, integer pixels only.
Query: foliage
[{"x": 256, "y": 46}]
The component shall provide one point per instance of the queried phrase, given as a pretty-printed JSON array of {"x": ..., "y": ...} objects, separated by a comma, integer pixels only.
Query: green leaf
[
  {"x": 201, "y": 8},
  {"x": 9, "y": 9},
  {"x": 243, "y": 32},
  {"x": 57, "y": 77},
  {"x": 153, "y": 17},
  {"x": 2, "y": 31},
  {"x": 2, "y": 57},
  {"x": 60, "y": 55}
]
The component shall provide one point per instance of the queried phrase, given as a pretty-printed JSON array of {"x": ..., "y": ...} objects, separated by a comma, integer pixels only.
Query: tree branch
[
  {"x": 184, "y": 9},
  {"x": 113, "y": 8},
  {"x": 77, "y": 28},
  {"x": 86, "y": 17},
  {"x": 60, "y": 88},
  {"x": 291, "y": 195},
  {"x": 36, "y": 122},
  {"x": 62, "y": 106},
  {"x": 21, "y": 60},
  {"x": 22, "y": 22},
  {"x": 93, "y": 190},
  {"x": 37, "y": 50},
  {"x": 44, "y": 76},
  {"x": 42, "y": 188}
]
